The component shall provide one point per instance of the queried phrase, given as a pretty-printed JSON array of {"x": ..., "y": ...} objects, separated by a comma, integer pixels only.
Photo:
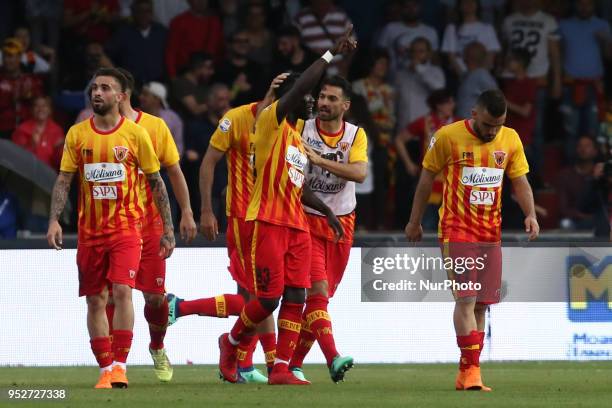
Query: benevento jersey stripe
[{"x": 108, "y": 163}]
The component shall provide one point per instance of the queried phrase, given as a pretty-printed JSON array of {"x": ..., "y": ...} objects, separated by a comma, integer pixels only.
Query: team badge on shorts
[
  {"x": 159, "y": 281},
  {"x": 132, "y": 273},
  {"x": 500, "y": 157},
  {"x": 121, "y": 152}
]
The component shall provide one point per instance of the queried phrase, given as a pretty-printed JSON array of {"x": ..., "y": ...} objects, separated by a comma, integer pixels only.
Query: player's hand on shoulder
[
  {"x": 54, "y": 235},
  {"x": 208, "y": 225},
  {"x": 167, "y": 243},
  {"x": 532, "y": 227},
  {"x": 414, "y": 232}
]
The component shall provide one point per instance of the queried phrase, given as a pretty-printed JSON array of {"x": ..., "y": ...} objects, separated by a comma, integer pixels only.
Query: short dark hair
[
  {"x": 197, "y": 59},
  {"x": 287, "y": 84},
  {"x": 115, "y": 73},
  {"x": 374, "y": 56},
  {"x": 437, "y": 97},
  {"x": 494, "y": 101},
  {"x": 340, "y": 82},
  {"x": 131, "y": 84}
]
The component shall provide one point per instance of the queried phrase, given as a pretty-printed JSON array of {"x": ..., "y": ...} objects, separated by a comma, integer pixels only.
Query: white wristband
[{"x": 328, "y": 56}]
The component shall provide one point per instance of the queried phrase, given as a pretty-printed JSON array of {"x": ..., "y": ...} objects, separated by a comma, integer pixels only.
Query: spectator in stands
[
  {"x": 291, "y": 55},
  {"x": 411, "y": 144},
  {"x": 153, "y": 100},
  {"x": 241, "y": 74},
  {"x": 90, "y": 20},
  {"x": 379, "y": 95},
  {"x": 196, "y": 143},
  {"x": 491, "y": 11},
  {"x": 190, "y": 89},
  {"x": 44, "y": 19},
  {"x": 31, "y": 61},
  {"x": 41, "y": 135},
  {"x": 469, "y": 28},
  {"x": 475, "y": 81},
  {"x": 17, "y": 89},
  {"x": 197, "y": 29},
  {"x": 520, "y": 92},
  {"x": 416, "y": 81},
  {"x": 230, "y": 17},
  {"x": 529, "y": 27},
  {"x": 139, "y": 45},
  {"x": 585, "y": 39},
  {"x": 320, "y": 24},
  {"x": 261, "y": 40},
  {"x": 577, "y": 188},
  {"x": 166, "y": 10},
  {"x": 397, "y": 36}
]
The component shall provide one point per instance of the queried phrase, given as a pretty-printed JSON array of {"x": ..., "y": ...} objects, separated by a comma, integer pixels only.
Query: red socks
[
  {"x": 481, "y": 337},
  {"x": 102, "y": 349},
  {"x": 245, "y": 350},
  {"x": 252, "y": 313},
  {"x": 218, "y": 306},
  {"x": 320, "y": 324},
  {"x": 470, "y": 350},
  {"x": 268, "y": 344},
  {"x": 289, "y": 324},
  {"x": 158, "y": 323},
  {"x": 305, "y": 342},
  {"x": 122, "y": 341}
]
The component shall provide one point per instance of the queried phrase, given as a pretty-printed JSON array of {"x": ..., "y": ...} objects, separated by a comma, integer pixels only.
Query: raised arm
[
  {"x": 160, "y": 197},
  {"x": 58, "y": 202},
  {"x": 309, "y": 78}
]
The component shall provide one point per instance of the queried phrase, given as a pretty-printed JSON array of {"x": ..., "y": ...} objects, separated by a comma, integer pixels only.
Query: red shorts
[
  {"x": 477, "y": 269},
  {"x": 115, "y": 261},
  {"x": 281, "y": 258},
  {"x": 328, "y": 262},
  {"x": 151, "y": 275},
  {"x": 239, "y": 240}
]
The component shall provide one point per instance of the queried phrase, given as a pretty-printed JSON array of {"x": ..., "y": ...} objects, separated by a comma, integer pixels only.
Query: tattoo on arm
[
  {"x": 160, "y": 196},
  {"x": 60, "y": 195}
]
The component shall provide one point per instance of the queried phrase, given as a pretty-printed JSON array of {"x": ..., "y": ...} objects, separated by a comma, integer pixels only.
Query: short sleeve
[
  {"x": 449, "y": 39},
  {"x": 359, "y": 150},
  {"x": 147, "y": 159},
  {"x": 438, "y": 153},
  {"x": 168, "y": 154},
  {"x": 267, "y": 121},
  {"x": 224, "y": 133},
  {"x": 70, "y": 162},
  {"x": 552, "y": 28},
  {"x": 517, "y": 165},
  {"x": 491, "y": 41}
]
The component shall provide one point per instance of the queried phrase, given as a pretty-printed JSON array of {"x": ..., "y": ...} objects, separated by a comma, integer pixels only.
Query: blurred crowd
[{"x": 420, "y": 65}]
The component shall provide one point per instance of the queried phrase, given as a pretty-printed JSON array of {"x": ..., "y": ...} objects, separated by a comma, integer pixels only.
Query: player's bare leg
[
  {"x": 466, "y": 317},
  {"x": 97, "y": 325},
  {"x": 317, "y": 326},
  {"x": 123, "y": 325},
  {"x": 156, "y": 314}
]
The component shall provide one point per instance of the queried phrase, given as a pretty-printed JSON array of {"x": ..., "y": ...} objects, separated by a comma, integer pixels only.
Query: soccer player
[
  {"x": 337, "y": 151},
  {"x": 474, "y": 155},
  {"x": 233, "y": 139},
  {"x": 108, "y": 151},
  {"x": 280, "y": 249},
  {"x": 151, "y": 274}
]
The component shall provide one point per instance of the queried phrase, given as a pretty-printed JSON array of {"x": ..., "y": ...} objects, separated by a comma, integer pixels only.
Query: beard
[
  {"x": 484, "y": 137},
  {"x": 101, "y": 109}
]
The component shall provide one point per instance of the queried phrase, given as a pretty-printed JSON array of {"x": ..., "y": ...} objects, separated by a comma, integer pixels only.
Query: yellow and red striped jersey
[
  {"x": 167, "y": 154},
  {"x": 108, "y": 163},
  {"x": 473, "y": 176},
  {"x": 280, "y": 163},
  {"x": 234, "y": 136}
]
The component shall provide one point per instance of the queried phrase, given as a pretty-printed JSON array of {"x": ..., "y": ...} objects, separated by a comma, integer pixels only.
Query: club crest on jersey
[
  {"x": 121, "y": 152},
  {"x": 343, "y": 146},
  {"x": 500, "y": 157}
]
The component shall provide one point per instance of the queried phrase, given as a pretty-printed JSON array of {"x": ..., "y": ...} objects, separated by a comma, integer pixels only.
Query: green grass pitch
[{"x": 535, "y": 384}]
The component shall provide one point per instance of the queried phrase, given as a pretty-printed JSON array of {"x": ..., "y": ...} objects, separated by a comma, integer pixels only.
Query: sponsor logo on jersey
[
  {"x": 296, "y": 177},
  {"x": 121, "y": 152},
  {"x": 468, "y": 155},
  {"x": 104, "y": 172},
  {"x": 480, "y": 197},
  {"x": 320, "y": 186},
  {"x": 500, "y": 157},
  {"x": 296, "y": 158},
  {"x": 104, "y": 192},
  {"x": 482, "y": 176},
  {"x": 87, "y": 152},
  {"x": 314, "y": 143},
  {"x": 225, "y": 125}
]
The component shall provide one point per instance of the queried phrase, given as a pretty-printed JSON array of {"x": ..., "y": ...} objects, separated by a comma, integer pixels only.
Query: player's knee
[
  {"x": 96, "y": 302},
  {"x": 270, "y": 304},
  {"x": 154, "y": 300},
  {"x": 319, "y": 288},
  {"x": 122, "y": 293},
  {"x": 294, "y": 295},
  {"x": 480, "y": 308}
]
